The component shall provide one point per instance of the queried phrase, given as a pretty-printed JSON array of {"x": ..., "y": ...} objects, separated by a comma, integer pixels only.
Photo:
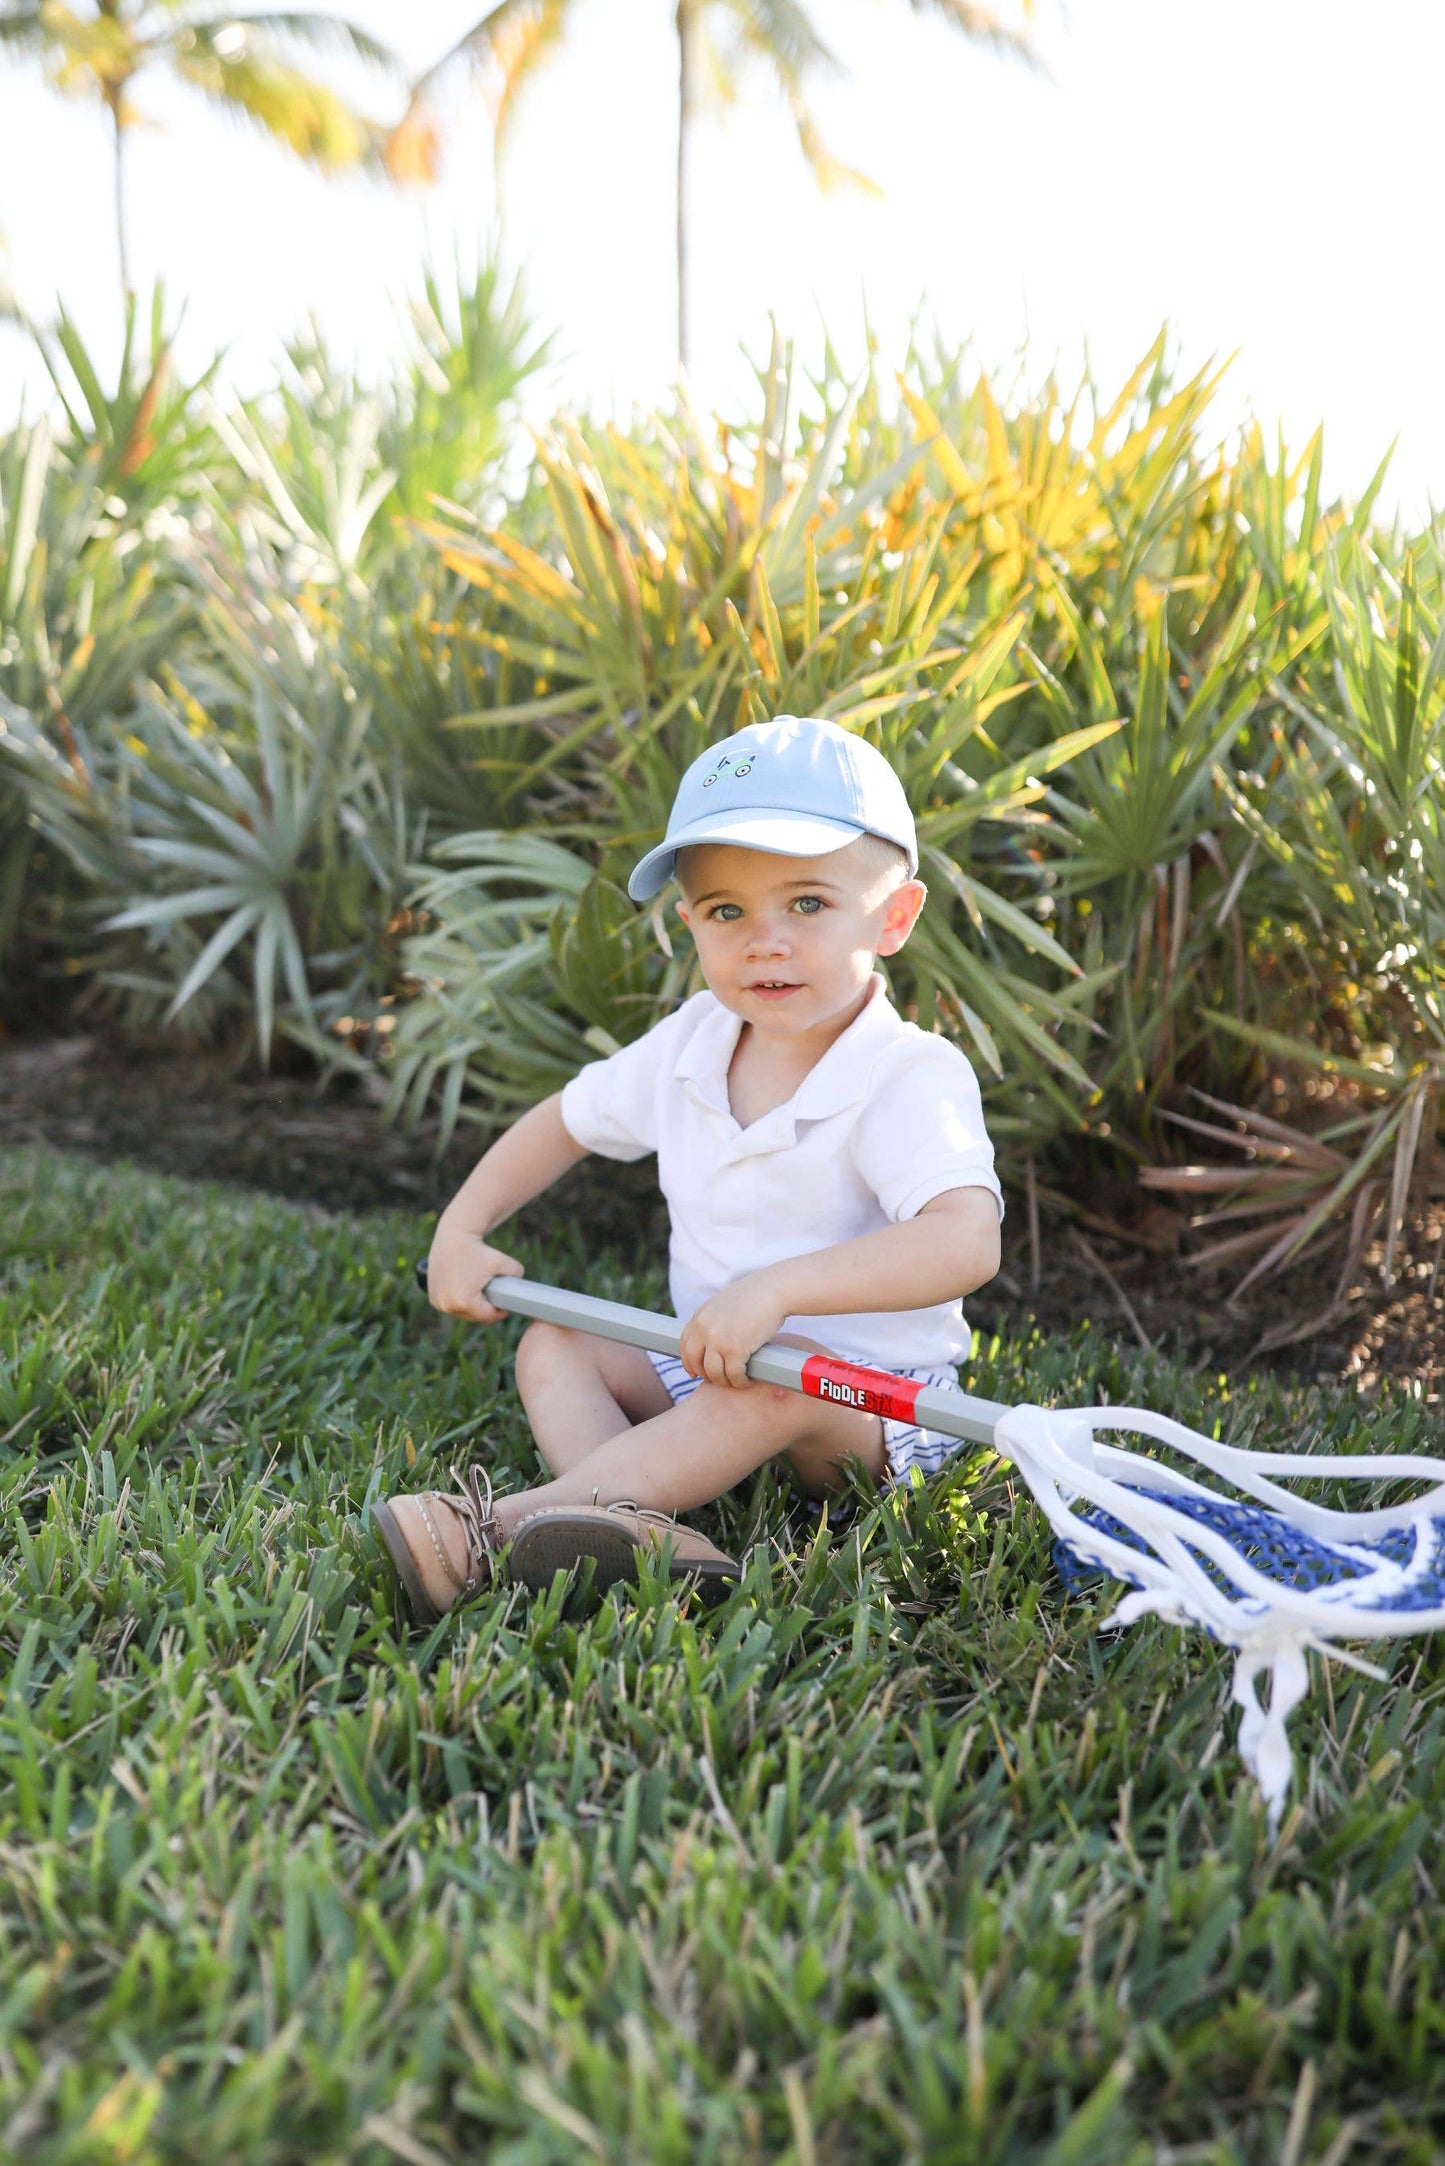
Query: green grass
[{"x": 890, "y": 1858}]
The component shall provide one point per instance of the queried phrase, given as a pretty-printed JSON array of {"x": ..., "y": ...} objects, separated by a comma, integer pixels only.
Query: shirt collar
[
  {"x": 841, "y": 1077},
  {"x": 836, "y": 1081},
  {"x": 705, "y": 1059}
]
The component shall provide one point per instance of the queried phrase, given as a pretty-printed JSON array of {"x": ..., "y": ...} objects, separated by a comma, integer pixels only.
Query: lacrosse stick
[{"x": 1271, "y": 1576}]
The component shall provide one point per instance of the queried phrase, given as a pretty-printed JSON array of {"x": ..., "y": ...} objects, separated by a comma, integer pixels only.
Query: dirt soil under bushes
[{"x": 1119, "y": 1263}]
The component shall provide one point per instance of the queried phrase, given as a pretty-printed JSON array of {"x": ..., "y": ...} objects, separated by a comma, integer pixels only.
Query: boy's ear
[{"x": 905, "y": 905}]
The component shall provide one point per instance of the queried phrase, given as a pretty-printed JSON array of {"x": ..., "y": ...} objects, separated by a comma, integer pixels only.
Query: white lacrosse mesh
[{"x": 1270, "y": 1578}]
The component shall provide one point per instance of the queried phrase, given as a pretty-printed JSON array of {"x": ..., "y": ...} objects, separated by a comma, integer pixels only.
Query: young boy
[{"x": 827, "y": 1172}]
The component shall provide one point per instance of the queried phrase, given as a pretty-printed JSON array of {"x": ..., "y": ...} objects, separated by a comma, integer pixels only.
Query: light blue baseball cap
[{"x": 796, "y": 787}]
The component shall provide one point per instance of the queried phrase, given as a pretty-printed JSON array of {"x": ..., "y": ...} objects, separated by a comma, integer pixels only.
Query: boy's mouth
[{"x": 773, "y": 988}]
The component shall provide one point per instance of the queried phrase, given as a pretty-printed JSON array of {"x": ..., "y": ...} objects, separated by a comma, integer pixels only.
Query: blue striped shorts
[{"x": 906, "y": 1444}]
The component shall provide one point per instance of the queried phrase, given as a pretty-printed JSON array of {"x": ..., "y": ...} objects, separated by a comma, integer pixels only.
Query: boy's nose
[{"x": 769, "y": 936}]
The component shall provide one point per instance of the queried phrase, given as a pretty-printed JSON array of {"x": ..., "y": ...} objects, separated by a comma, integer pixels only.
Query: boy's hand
[
  {"x": 720, "y": 1337},
  {"x": 458, "y": 1267}
]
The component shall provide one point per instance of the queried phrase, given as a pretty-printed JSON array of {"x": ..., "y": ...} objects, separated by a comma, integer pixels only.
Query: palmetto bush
[
  {"x": 91, "y": 597},
  {"x": 1050, "y": 626},
  {"x": 1348, "y": 817},
  {"x": 361, "y": 747},
  {"x": 262, "y": 818},
  {"x": 334, "y": 466},
  {"x": 1087, "y": 636},
  {"x": 215, "y": 712},
  {"x": 697, "y": 581}
]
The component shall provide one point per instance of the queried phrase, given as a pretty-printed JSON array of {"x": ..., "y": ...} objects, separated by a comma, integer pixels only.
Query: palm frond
[
  {"x": 984, "y": 25},
  {"x": 784, "y": 34},
  {"x": 503, "y": 49},
  {"x": 291, "y": 108},
  {"x": 24, "y": 27},
  {"x": 310, "y": 27}
]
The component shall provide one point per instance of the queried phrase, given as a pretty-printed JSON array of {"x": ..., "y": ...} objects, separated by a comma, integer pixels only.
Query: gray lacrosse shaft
[{"x": 949, "y": 1413}]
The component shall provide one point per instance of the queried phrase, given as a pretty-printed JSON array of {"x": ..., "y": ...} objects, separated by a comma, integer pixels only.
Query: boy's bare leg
[
  {"x": 692, "y": 1453},
  {"x": 582, "y": 1397},
  {"x": 579, "y": 1392}
]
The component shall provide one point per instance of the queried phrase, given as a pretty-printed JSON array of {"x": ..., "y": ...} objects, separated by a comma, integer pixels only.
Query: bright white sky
[{"x": 1262, "y": 174}]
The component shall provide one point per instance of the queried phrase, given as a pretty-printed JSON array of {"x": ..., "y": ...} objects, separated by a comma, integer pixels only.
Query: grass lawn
[{"x": 889, "y": 1858}]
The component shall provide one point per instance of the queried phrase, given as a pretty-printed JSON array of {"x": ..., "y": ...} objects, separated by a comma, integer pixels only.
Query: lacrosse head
[{"x": 1266, "y": 1572}]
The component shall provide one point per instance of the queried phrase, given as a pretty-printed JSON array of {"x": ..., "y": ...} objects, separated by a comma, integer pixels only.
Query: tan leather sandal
[
  {"x": 559, "y": 1537},
  {"x": 444, "y": 1547}
]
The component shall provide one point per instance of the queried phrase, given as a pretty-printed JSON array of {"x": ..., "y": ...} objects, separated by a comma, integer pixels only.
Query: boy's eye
[{"x": 727, "y": 913}]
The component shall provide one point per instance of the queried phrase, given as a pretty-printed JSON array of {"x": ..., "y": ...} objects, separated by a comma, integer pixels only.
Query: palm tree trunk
[
  {"x": 119, "y": 126},
  {"x": 686, "y": 106}
]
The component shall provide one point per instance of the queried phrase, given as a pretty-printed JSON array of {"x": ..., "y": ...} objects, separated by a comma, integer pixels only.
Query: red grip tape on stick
[{"x": 869, "y": 1391}]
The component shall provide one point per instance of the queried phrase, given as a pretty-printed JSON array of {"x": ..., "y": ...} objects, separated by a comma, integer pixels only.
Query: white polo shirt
[{"x": 889, "y": 1118}]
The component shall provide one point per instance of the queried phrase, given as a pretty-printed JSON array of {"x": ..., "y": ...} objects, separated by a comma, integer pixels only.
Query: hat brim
[{"x": 780, "y": 834}]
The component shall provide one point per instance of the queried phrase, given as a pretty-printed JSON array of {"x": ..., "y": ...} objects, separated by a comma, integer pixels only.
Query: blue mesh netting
[{"x": 1275, "y": 1549}]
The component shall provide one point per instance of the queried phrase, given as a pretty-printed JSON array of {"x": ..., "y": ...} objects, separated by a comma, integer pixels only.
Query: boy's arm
[
  {"x": 947, "y": 1250},
  {"x": 534, "y": 1152}
]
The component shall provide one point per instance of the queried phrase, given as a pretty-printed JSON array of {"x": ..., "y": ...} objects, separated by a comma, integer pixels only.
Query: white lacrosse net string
[{"x": 1272, "y": 1577}]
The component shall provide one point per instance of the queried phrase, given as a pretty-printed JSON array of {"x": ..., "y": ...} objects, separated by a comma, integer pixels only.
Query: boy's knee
[
  {"x": 539, "y": 1348},
  {"x": 790, "y": 1406},
  {"x": 784, "y": 1414}
]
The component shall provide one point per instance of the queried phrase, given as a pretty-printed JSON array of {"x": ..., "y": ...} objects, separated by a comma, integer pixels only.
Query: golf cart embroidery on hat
[
  {"x": 725, "y": 767},
  {"x": 812, "y": 788}
]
